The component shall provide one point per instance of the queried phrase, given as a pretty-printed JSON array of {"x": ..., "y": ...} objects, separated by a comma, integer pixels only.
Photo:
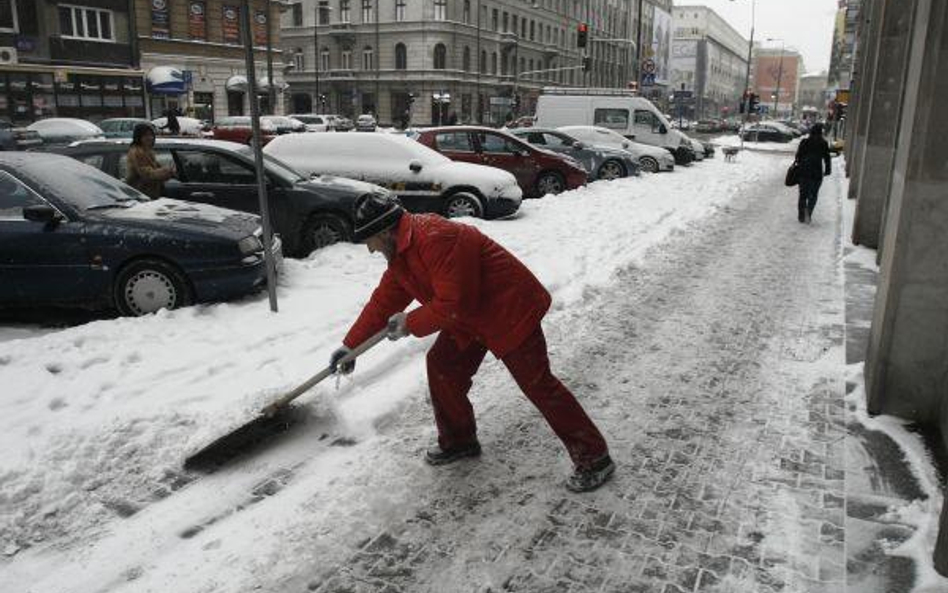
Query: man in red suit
[{"x": 479, "y": 297}]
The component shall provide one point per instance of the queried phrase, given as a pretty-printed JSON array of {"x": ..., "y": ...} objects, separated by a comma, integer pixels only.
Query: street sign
[
  {"x": 648, "y": 79},
  {"x": 648, "y": 67},
  {"x": 683, "y": 94}
]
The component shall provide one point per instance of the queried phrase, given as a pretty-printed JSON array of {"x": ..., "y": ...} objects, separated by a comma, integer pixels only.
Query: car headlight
[{"x": 250, "y": 245}]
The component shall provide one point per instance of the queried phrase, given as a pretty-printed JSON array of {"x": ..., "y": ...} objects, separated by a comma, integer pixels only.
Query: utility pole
[
  {"x": 271, "y": 89},
  {"x": 377, "y": 55},
  {"x": 316, "y": 54},
  {"x": 779, "y": 77},
  {"x": 637, "y": 67},
  {"x": 750, "y": 55}
]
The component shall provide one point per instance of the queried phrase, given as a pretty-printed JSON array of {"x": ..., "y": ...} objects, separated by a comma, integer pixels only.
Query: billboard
[{"x": 661, "y": 45}]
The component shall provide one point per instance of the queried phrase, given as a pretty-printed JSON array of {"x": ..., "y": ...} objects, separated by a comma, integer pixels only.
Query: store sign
[
  {"x": 197, "y": 24},
  {"x": 159, "y": 19},
  {"x": 260, "y": 28},
  {"x": 231, "y": 24}
]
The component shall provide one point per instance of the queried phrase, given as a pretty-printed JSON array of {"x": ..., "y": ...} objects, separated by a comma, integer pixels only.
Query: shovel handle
[{"x": 359, "y": 350}]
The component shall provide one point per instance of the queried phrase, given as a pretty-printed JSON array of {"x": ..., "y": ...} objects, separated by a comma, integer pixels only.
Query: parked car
[
  {"x": 308, "y": 213},
  {"x": 651, "y": 158},
  {"x": 709, "y": 126},
  {"x": 121, "y": 127},
  {"x": 600, "y": 162},
  {"x": 792, "y": 130},
  {"x": 239, "y": 129},
  {"x": 313, "y": 122},
  {"x": 424, "y": 180},
  {"x": 765, "y": 133},
  {"x": 366, "y": 123},
  {"x": 59, "y": 131},
  {"x": 70, "y": 235},
  {"x": 341, "y": 123},
  {"x": 189, "y": 126},
  {"x": 524, "y": 121},
  {"x": 698, "y": 148},
  {"x": 282, "y": 124},
  {"x": 539, "y": 172},
  {"x": 16, "y": 138}
]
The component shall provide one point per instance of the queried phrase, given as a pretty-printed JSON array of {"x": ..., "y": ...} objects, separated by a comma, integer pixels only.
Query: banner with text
[
  {"x": 231, "y": 23},
  {"x": 197, "y": 23},
  {"x": 159, "y": 19}
]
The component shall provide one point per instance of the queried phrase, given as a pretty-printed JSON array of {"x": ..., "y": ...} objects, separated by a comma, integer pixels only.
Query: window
[
  {"x": 555, "y": 140},
  {"x": 399, "y": 10},
  {"x": 298, "y": 62},
  {"x": 533, "y": 30},
  {"x": 612, "y": 118},
  {"x": 324, "y": 59},
  {"x": 163, "y": 157},
  {"x": 505, "y": 20},
  {"x": 483, "y": 64},
  {"x": 440, "y": 10},
  {"x": 8, "y": 20},
  {"x": 77, "y": 22},
  {"x": 646, "y": 118},
  {"x": 14, "y": 197},
  {"x": 496, "y": 143},
  {"x": 209, "y": 167},
  {"x": 467, "y": 59},
  {"x": 298, "y": 14},
  {"x": 454, "y": 141},
  {"x": 367, "y": 55},
  {"x": 345, "y": 59},
  {"x": 493, "y": 19},
  {"x": 367, "y": 11},
  {"x": 401, "y": 57},
  {"x": 344, "y": 12},
  {"x": 440, "y": 57},
  {"x": 493, "y": 63},
  {"x": 323, "y": 12},
  {"x": 467, "y": 11}
]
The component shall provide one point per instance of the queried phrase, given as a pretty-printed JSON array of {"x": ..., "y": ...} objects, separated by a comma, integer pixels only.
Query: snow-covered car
[
  {"x": 121, "y": 127},
  {"x": 313, "y": 122},
  {"x": 423, "y": 179},
  {"x": 71, "y": 235},
  {"x": 189, "y": 126},
  {"x": 651, "y": 158},
  {"x": 59, "y": 131},
  {"x": 600, "y": 162},
  {"x": 366, "y": 123},
  {"x": 698, "y": 149}
]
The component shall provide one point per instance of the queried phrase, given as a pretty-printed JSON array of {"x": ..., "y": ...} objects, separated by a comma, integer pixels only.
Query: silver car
[{"x": 600, "y": 162}]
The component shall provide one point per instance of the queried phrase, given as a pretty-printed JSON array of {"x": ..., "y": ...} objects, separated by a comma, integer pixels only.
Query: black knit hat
[
  {"x": 817, "y": 129},
  {"x": 374, "y": 213}
]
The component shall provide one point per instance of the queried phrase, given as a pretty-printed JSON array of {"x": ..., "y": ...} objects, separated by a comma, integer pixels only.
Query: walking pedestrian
[
  {"x": 479, "y": 298},
  {"x": 171, "y": 121},
  {"x": 144, "y": 172},
  {"x": 813, "y": 161}
]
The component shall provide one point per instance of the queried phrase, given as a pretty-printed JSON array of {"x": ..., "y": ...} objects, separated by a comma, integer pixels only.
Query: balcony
[
  {"x": 508, "y": 40},
  {"x": 344, "y": 33},
  {"x": 340, "y": 74},
  {"x": 90, "y": 53}
]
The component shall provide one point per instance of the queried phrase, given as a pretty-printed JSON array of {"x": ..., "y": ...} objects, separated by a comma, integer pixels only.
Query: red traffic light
[{"x": 582, "y": 32}]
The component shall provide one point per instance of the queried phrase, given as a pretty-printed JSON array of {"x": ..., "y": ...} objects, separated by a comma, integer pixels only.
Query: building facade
[
  {"x": 709, "y": 58},
  {"x": 68, "y": 59},
  {"x": 813, "y": 93},
  {"x": 655, "y": 39},
  {"x": 192, "y": 54},
  {"x": 844, "y": 45},
  {"x": 430, "y": 61},
  {"x": 776, "y": 81}
]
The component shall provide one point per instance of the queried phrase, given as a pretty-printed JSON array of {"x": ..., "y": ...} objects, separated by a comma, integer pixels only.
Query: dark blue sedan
[{"x": 70, "y": 235}]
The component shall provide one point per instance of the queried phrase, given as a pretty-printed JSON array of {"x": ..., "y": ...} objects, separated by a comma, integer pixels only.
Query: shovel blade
[{"x": 242, "y": 440}]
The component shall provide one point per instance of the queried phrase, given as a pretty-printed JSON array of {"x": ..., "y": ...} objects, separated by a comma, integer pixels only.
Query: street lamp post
[
  {"x": 745, "y": 98},
  {"x": 779, "y": 74}
]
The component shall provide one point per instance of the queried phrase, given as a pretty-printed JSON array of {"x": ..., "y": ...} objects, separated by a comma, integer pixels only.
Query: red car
[
  {"x": 238, "y": 129},
  {"x": 539, "y": 172}
]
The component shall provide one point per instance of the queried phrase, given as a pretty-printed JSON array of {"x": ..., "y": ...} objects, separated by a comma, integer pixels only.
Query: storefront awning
[
  {"x": 236, "y": 84},
  {"x": 165, "y": 80}
]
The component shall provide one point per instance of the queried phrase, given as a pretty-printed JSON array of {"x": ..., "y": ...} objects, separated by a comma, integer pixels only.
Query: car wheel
[
  {"x": 550, "y": 182},
  {"x": 611, "y": 170},
  {"x": 463, "y": 204},
  {"x": 147, "y": 285},
  {"x": 323, "y": 230},
  {"x": 649, "y": 164}
]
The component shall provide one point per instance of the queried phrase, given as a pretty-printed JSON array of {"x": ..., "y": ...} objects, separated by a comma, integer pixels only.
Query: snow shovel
[{"x": 274, "y": 418}]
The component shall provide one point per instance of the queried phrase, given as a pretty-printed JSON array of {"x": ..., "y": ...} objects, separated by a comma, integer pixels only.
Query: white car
[
  {"x": 313, "y": 121},
  {"x": 189, "y": 126},
  {"x": 64, "y": 130},
  {"x": 366, "y": 123},
  {"x": 650, "y": 158},
  {"x": 424, "y": 180}
]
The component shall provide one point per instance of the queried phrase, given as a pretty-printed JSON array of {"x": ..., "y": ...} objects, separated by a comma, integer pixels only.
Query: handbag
[{"x": 793, "y": 175}]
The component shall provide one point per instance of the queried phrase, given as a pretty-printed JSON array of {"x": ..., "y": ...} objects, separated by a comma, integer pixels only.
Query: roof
[
  {"x": 16, "y": 159},
  {"x": 173, "y": 142}
]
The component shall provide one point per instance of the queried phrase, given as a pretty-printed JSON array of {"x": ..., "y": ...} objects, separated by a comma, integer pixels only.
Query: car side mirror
[
  {"x": 662, "y": 129},
  {"x": 625, "y": 144},
  {"x": 414, "y": 166},
  {"x": 42, "y": 213}
]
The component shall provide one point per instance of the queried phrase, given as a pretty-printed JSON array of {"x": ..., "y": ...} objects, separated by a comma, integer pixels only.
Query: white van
[{"x": 633, "y": 117}]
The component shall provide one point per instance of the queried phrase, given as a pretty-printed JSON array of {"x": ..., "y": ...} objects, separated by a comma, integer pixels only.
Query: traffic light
[
  {"x": 582, "y": 34},
  {"x": 587, "y": 63},
  {"x": 411, "y": 98},
  {"x": 743, "y": 102}
]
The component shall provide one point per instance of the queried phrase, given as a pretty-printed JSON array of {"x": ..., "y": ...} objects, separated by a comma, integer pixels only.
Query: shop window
[
  {"x": 235, "y": 103},
  {"x": 78, "y": 22},
  {"x": 204, "y": 106}
]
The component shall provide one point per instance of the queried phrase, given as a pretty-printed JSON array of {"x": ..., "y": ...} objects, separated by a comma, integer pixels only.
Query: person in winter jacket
[
  {"x": 144, "y": 172},
  {"x": 479, "y": 298},
  {"x": 812, "y": 155}
]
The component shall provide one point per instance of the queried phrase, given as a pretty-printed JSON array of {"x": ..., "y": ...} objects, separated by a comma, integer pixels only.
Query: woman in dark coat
[{"x": 813, "y": 160}]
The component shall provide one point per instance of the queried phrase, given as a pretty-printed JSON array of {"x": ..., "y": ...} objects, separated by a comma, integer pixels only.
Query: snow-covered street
[{"x": 697, "y": 321}]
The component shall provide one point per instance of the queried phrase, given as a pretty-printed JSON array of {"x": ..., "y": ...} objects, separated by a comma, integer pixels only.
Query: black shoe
[
  {"x": 809, "y": 214},
  {"x": 592, "y": 477},
  {"x": 801, "y": 217},
  {"x": 438, "y": 456}
]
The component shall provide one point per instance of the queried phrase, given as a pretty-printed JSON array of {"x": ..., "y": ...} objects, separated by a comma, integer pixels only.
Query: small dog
[{"x": 729, "y": 152}]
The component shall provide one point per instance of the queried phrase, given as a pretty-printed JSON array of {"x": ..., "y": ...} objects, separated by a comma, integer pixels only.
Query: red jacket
[{"x": 468, "y": 286}]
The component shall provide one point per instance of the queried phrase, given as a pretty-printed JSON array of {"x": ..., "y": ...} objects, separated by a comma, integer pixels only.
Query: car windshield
[
  {"x": 275, "y": 166},
  {"x": 82, "y": 186}
]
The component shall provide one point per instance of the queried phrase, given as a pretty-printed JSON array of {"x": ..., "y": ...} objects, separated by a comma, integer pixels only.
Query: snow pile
[
  {"x": 735, "y": 140},
  {"x": 96, "y": 420}
]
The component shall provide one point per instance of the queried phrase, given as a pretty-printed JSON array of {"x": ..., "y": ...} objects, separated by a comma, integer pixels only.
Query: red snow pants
[{"x": 450, "y": 369}]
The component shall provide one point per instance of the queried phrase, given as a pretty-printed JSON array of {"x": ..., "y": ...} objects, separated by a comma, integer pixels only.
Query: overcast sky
[{"x": 806, "y": 25}]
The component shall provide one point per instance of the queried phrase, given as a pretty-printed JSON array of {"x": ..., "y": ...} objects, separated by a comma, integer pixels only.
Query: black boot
[
  {"x": 589, "y": 478},
  {"x": 437, "y": 456},
  {"x": 801, "y": 216}
]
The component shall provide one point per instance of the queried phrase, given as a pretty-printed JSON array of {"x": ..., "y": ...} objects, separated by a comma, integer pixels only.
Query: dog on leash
[{"x": 729, "y": 152}]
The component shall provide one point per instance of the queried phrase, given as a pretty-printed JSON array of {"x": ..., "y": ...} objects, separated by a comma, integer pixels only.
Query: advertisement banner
[
  {"x": 259, "y": 27},
  {"x": 197, "y": 23},
  {"x": 661, "y": 46},
  {"x": 160, "y": 22},
  {"x": 231, "y": 23}
]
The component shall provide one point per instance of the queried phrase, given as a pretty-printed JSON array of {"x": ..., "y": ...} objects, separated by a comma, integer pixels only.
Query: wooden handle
[{"x": 358, "y": 351}]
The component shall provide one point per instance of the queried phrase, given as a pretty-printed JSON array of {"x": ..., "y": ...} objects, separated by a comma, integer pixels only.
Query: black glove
[{"x": 345, "y": 368}]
